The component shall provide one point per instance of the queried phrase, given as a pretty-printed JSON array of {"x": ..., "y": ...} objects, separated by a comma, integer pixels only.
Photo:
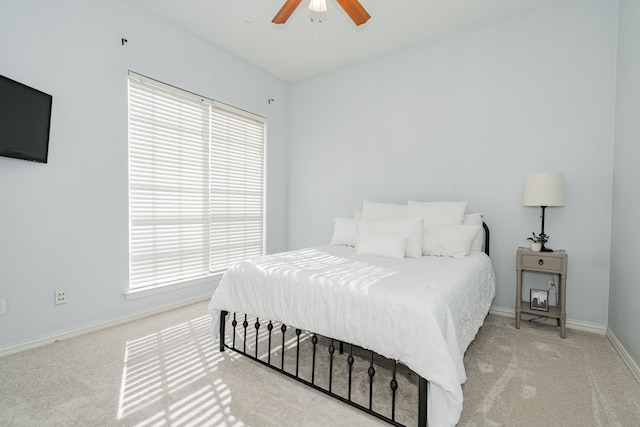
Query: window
[{"x": 196, "y": 186}]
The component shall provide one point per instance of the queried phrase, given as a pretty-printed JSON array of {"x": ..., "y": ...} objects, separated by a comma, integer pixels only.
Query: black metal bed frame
[
  {"x": 243, "y": 328},
  {"x": 393, "y": 384}
]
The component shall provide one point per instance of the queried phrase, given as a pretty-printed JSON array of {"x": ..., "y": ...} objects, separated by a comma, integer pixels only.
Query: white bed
[{"x": 422, "y": 312}]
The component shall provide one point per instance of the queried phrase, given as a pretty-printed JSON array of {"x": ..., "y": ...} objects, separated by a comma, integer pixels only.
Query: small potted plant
[{"x": 538, "y": 241}]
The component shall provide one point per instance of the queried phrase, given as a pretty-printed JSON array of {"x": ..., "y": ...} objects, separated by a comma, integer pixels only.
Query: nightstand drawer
[{"x": 541, "y": 262}]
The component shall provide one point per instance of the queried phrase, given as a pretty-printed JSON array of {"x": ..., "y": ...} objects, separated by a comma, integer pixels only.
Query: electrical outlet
[
  {"x": 61, "y": 296},
  {"x": 3, "y": 306},
  {"x": 551, "y": 286}
]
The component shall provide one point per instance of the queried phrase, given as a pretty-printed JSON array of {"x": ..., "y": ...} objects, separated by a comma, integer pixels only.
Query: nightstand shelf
[
  {"x": 554, "y": 312},
  {"x": 544, "y": 262}
]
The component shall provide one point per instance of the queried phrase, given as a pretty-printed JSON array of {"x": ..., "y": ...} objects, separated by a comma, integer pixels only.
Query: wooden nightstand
[{"x": 546, "y": 262}]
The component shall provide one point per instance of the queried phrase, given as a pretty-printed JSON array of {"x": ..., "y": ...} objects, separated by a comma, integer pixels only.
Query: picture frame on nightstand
[{"x": 539, "y": 299}]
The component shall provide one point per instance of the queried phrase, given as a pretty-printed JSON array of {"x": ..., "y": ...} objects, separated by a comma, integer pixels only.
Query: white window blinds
[{"x": 196, "y": 186}]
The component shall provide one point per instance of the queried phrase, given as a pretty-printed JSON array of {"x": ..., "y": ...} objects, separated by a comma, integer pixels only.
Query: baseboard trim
[
  {"x": 635, "y": 370},
  {"x": 571, "y": 324},
  {"x": 96, "y": 326}
]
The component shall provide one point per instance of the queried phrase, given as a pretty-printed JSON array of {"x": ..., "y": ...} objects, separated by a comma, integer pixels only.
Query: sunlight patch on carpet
[{"x": 158, "y": 366}]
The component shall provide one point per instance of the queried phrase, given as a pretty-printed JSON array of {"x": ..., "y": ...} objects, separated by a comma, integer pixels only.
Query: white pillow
[
  {"x": 409, "y": 229},
  {"x": 475, "y": 219},
  {"x": 449, "y": 240},
  {"x": 345, "y": 232},
  {"x": 357, "y": 213},
  {"x": 374, "y": 210},
  {"x": 385, "y": 245},
  {"x": 437, "y": 213}
]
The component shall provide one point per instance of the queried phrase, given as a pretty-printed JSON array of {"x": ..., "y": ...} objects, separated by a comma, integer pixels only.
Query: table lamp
[{"x": 544, "y": 189}]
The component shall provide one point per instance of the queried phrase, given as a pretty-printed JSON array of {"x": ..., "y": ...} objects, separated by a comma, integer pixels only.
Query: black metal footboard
[{"x": 275, "y": 340}]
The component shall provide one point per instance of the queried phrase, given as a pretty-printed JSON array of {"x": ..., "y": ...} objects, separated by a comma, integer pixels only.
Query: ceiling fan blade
[
  {"x": 356, "y": 12},
  {"x": 285, "y": 12}
]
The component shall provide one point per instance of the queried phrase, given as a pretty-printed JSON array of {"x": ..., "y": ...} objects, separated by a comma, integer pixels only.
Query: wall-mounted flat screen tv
[{"x": 25, "y": 119}]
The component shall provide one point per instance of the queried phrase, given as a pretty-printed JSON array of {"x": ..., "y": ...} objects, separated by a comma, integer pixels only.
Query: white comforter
[{"x": 423, "y": 312}]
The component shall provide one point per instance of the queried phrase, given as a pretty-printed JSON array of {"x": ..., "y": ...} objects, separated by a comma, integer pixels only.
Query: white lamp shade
[
  {"x": 318, "y": 5},
  {"x": 544, "y": 189}
]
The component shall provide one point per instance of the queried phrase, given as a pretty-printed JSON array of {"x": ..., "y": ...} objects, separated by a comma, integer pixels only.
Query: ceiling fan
[{"x": 354, "y": 9}]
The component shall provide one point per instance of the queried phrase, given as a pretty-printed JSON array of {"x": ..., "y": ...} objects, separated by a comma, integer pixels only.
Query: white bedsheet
[{"x": 423, "y": 312}]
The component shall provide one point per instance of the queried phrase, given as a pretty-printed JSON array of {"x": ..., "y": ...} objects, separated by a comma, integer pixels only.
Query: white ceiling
[{"x": 301, "y": 48}]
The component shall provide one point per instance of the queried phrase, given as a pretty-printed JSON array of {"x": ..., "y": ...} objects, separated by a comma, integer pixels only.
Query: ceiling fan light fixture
[
  {"x": 318, "y": 5},
  {"x": 318, "y": 9}
]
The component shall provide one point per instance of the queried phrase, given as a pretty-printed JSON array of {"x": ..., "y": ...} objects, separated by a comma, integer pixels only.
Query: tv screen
[{"x": 25, "y": 118}]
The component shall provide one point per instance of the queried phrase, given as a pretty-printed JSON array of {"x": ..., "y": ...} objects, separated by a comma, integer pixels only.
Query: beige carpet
[{"x": 166, "y": 371}]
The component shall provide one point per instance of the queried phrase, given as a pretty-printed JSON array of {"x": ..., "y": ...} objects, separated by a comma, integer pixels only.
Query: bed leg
[
  {"x": 223, "y": 315},
  {"x": 422, "y": 410}
]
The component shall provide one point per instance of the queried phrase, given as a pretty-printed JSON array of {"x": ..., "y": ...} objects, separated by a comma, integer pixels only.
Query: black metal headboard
[{"x": 486, "y": 238}]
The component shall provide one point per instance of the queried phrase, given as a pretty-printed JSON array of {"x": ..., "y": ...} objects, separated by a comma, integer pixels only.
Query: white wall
[
  {"x": 466, "y": 117},
  {"x": 64, "y": 225},
  {"x": 529, "y": 92},
  {"x": 624, "y": 316}
]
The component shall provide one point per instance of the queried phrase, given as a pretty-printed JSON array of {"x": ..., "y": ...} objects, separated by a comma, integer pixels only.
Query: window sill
[{"x": 155, "y": 290}]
